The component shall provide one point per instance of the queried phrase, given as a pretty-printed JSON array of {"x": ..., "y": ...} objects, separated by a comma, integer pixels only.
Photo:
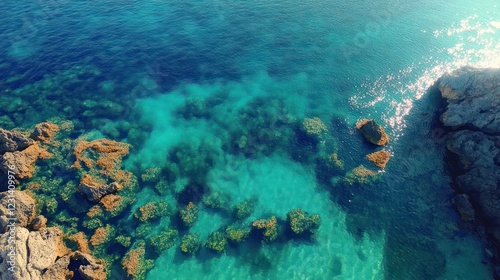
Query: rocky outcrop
[
  {"x": 35, "y": 252},
  {"x": 472, "y": 116},
  {"x": 473, "y": 98},
  {"x": 22, "y": 163},
  {"x": 95, "y": 193},
  {"x": 17, "y": 207},
  {"x": 41, "y": 255},
  {"x": 373, "y": 132},
  {"x": 13, "y": 141},
  {"x": 44, "y": 131},
  {"x": 88, "y": 266}
]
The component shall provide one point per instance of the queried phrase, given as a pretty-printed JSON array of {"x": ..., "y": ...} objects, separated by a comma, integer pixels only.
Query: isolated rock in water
[
  {"x": 13, "y": 141},
  {"x": 464, "y": 208},
  {"x": 44, "y": 131},
  {"x": 24, "y": 210},
  {"x": 373, "y": 132},
  {"x": 380, "y": 158},
  {"x": 473, "y": 97},
  {"x": 23, "y": 162},
  {"x": 95, "y": 193}
]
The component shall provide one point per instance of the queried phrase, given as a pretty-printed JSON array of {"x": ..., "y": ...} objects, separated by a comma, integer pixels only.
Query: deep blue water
[{"x": 337, "y": 60}]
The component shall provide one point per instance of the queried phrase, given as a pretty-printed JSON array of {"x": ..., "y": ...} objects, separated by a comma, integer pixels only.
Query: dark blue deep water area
[{"x": 245, "y": 111}]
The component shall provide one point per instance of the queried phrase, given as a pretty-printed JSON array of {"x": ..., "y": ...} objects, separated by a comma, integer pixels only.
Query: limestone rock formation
[
  {"x": 373, "y": 132},
  {"x": 20, "y": 206},
  {"x": 13, "y": 141},
  {"x": 41, "y": 255},
  {"x": 473, "y": 98},
  {"x": 44, "y": 131},
  {"x": 95, "y": 193},
  {"x": 473, "y": 117},
  {"x": 88, "y": 266},
  {"x": 35, "y": 253},
  {"x": 23, "y": 162}
]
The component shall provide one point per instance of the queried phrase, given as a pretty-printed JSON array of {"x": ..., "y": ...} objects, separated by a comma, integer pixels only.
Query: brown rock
[
  {"x": 373, "y": 132},
  {"x": 100, "y": 236},
  {"x": 379, "y": 158},
  {"x": 95, "y": 192},
  {"x": 23, "y": 162},
  {"x": 24, "y": 210},
  {"x": 35, "y": 252},
  {"x": 81, "y": 242},
  {"x": 59, "y": 270},
  {"x": 111, "y": 202},
  {"x": 44, "y": 131},
  {"x": 89, "y": 268},
  {"x": 44, "y": 247},
  {"x": 39, "y": 222},
  {"x": 13, "y": 141}
]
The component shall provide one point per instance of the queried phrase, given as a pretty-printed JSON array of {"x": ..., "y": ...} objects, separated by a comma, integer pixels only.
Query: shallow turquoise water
[{"x": 338, "y": 60}]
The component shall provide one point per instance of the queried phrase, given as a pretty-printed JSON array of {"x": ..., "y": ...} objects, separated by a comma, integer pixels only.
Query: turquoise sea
[{"x": 217, "y": 87}]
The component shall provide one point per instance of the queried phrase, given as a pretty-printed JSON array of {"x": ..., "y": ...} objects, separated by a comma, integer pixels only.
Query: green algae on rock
[
  {"x": 301, "y": 222},
  {"x": 216, "y": 242},
  {"x": 190, "y": 243}
]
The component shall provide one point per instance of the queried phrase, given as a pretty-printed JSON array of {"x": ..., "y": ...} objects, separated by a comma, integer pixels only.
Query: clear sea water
[{"x": 337, "y": 60}]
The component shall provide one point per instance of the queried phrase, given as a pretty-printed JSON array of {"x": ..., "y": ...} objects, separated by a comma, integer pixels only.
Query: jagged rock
[
  {"x": 59, "y": 270},
  {"x": 44, "y": 247},
  {"x": 95, "y": 193},
  {"x": 23, "y": 162},
  {"x": 473, "y": 97},
  {"x": 89, "y": 268},
  {"x": 23, "y": 212},
  {"x": 35, "y": 253},
  {"x": 373, "y": 132},
  {"x": 44, "y": 131},
  {"x": 464, "y": 208},
  {"x": 473, "y": 115},
  {"x": 39, "y": 222},
  {"x": 18, "y": 258},
  {"x": 13, "y": 141}
]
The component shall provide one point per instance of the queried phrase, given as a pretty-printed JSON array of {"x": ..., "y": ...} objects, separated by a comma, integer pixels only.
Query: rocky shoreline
[{"x": 472, "y": 121}]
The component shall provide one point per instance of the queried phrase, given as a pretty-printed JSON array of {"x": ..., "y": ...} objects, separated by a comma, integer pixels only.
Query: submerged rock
[
  {"x": 13, "y": 141},
  {"x": 373, "y": 132},
  {"x": 464, "y": 208},
  {"x": 380, "y": 158}
]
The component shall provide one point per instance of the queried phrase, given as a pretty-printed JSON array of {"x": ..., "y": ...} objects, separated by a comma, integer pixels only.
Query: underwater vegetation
[{"x": 81, "y": 186}]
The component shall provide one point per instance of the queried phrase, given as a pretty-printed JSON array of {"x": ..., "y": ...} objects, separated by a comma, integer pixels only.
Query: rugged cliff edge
[{"x": 472, "y": 116}]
